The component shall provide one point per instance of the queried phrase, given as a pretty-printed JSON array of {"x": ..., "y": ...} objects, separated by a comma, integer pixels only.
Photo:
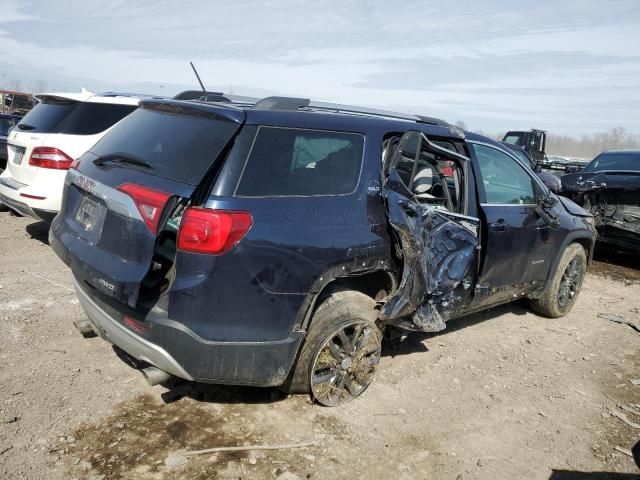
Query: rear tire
[
  {"x": 342, "y": 348},
  {"x": 564, "y": 286}
]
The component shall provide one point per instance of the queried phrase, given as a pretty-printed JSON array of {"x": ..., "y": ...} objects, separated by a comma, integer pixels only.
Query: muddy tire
[
  {"x": 564, "y": 286},
  {"x": 340, "y": 353}
]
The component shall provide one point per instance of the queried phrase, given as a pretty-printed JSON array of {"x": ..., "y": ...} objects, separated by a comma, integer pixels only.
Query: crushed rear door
[
  {"x": 129, "y": 185},
  {"x": 425, "y": 189}
]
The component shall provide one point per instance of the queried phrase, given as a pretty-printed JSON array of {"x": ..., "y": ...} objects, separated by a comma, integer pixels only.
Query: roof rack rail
[
  {"x": 292, "y": 103},
  {"x": 281, "y": 103},
  {"x": 339, "y": 108},
  {"x": 434, "y": 121}
]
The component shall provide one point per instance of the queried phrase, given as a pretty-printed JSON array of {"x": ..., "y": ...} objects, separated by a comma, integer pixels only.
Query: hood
[
  {"x": 611, "y": 179},
  {"x": 573, "y": 208}
]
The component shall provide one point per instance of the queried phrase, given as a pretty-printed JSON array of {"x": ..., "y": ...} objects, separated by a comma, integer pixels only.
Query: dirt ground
[{"x": 500, "y": 395}]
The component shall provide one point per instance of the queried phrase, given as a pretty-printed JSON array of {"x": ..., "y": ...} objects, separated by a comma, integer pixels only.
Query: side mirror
[
  {"x": 571, "y": 169},
  {"x": 544, "y": 210}
]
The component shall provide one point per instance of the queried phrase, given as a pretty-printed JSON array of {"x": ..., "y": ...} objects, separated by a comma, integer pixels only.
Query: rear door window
[
  {"x": 74, "y": 118},
  {"x": 290, "y": 161}
]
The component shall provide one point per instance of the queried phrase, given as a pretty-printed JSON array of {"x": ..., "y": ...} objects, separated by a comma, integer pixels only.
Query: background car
[
  {"x": 7, "y": 122},
  {"x": 44, "y": 144},
  {"x": 609, "y": 187}
]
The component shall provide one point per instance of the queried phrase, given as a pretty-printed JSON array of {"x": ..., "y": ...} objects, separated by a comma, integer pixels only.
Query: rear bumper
[
  {"x": 116, "y": 333},
  {"x": 172, "y": 347},
  {"x": 10, "y": 196},
  {"x": 24, "y": 209}
]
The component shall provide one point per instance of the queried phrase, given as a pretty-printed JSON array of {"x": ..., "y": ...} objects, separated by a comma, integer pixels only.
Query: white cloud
[{"x": 570, "y": 66}]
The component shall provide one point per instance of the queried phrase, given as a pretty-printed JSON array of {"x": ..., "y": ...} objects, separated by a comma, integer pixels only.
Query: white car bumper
[{"x": 41, "y": 200}]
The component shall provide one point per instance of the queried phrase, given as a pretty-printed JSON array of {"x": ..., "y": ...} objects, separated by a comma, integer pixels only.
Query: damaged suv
[
  {"x": 272, "y": 244},
  {"x": 609, "y": 187}
]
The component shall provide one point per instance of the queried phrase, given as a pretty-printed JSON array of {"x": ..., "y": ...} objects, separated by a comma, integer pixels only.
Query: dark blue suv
[{"x": 272, "y": 244}]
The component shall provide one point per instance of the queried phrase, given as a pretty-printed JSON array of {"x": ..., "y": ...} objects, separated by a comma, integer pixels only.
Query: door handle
[{"x": 499, "y": 226}]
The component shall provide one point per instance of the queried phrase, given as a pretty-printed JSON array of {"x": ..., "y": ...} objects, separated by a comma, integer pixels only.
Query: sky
[{"x": 570, "y": 67}]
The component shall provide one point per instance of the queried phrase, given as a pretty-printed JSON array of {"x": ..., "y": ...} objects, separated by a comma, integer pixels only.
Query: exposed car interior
[{"x": 431, "y": 177}]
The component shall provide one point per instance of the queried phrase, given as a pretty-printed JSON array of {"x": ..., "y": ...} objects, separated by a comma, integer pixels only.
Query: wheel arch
[
  {"x": 581, "y": 238},
  {"x": 375, "y": 283}
]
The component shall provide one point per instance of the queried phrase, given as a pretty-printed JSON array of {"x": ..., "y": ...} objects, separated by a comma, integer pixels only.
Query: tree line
[{"x": 586, "y": 146}]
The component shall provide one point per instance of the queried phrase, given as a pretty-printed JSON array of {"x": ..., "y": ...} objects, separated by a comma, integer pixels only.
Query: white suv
[{"x": 58, "y": 130}]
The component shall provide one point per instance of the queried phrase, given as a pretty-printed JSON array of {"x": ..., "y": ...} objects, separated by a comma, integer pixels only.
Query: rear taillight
[
  {"x": 50, "y": 157},
  {"x": 75, "y": 164},
  {"x": 150, "y": 203},
  {"x": 203, "y": 230}
]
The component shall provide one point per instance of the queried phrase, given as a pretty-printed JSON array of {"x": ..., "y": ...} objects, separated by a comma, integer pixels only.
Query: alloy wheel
[
  {"x": 345, "y": 364},
  {"x": 571, "y": 282}
]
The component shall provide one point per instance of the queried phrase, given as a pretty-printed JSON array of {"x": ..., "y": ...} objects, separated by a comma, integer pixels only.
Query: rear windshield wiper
[
  {"x": 121, "y": 158},
  {"x": 25, "y": 126}
]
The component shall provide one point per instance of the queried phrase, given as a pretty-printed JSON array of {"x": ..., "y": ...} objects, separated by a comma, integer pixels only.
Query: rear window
[
  {"x": 178, "y": 147},
  {"x": 74, "y": 118},
  {"x": 289, "y": 161},
  {"x": 614, "y": 161}
]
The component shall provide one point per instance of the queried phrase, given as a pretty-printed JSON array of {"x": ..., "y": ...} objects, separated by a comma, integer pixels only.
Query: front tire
[
  {"x": 564, "y": 287},
  {"x": 341, "y": 351}
]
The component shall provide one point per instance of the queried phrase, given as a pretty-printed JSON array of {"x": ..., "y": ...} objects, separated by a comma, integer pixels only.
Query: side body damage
[
  {"x": 439, "y": 252},
  {"x": 438, "y": 246}
]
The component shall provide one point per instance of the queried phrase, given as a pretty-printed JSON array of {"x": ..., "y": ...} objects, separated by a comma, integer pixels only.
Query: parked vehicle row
[
  {"x": 271, "y": 243},
  {"x": 534, "y": 143},
  {"x": 59, "y": 129}
]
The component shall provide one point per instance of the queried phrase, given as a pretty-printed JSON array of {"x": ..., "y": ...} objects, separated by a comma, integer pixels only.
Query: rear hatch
[
  {"x": 66, "y": 127},
  {"x": 121, "y": 201}
]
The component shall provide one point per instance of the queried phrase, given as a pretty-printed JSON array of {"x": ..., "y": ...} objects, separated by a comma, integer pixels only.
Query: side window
[
  {"x": 290, "y": 161},
  {"x": 505, "y": 181}
]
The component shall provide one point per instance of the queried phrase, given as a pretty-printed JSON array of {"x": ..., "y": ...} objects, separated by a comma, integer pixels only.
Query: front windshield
[{"x": 614, "y": 161}]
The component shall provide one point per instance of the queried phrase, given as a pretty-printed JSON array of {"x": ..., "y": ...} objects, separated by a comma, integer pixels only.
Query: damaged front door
[{"x": 425, "y": 191}]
